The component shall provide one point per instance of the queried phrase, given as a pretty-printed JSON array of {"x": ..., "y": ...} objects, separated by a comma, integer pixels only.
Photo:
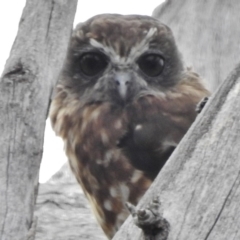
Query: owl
[{"x": 123, "y": 102}]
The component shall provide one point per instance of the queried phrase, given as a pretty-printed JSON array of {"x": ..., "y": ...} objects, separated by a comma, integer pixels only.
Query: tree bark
[{"x": 25, "y": 89}]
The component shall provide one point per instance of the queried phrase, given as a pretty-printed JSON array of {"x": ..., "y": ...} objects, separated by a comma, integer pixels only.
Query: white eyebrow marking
[
  {"x": 107, "y": 49},
  {"x": 135, "y": 52},
  {"x": 143, "y": 45}
]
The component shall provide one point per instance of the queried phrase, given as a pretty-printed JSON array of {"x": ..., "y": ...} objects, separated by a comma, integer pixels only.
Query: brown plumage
[{"x": 123, "y": 102}]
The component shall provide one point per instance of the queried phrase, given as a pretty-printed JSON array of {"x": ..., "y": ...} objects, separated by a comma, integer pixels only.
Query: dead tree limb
[
  {"x": 25, "y": 88},
  {"x": 199, "y": 186}
]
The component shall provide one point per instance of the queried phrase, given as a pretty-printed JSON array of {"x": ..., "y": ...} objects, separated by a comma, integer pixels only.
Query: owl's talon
[{"x": 201, "y": 104}]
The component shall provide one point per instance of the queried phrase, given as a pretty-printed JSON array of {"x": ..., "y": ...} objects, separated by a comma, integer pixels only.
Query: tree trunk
[
  {"x": 199, "y": 187},
  {"x": 25, "y": 89}
]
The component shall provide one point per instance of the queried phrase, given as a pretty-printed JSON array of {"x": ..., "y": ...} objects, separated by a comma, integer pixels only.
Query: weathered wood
[
  {"x": 25, "y": 88},
  {"x": 63, "y": 211},
  {"x": 207, "y": 34},
  {"x": 199, "y": 187}
]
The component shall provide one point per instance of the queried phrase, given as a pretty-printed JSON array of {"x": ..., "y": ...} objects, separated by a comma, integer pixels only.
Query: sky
[{"x": 10, "y": 13}]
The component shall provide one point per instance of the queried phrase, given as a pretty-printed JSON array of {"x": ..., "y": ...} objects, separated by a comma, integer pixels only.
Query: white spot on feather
[
  {"x": 107, "y": 205},
  {"x": 167, "y": 144},
  {"x": 104, "y": 137},
  {"x": 113, "y": 192},
  {"x": 136, "y": 176},
  {"x": 83, "y": 127},
  {"x": 99, "y": 161},
  {"x": 118, "y": 124},
  {"x": 108, "y": 158},
  {"x": 138, "y": 127},
  {"x": 124, "y": 192},
  {"x": 95, "y": 114}
]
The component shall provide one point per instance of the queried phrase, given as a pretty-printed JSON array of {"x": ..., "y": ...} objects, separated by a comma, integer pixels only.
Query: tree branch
[{"x": 25, "y": 89}]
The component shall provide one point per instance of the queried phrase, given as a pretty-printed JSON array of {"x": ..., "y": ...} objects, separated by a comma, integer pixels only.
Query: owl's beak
[{"x": 122, "y": 80}]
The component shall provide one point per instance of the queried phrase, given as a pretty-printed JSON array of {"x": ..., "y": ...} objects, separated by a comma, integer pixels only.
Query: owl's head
[{"x": 117, "y": 58}]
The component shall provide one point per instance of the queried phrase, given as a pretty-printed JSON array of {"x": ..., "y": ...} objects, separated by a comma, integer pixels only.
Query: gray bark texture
[
  {"x": 207, "y": 33},
  {"x": 63, "y": 211},
  {"x": 25, "y": 89},
  {"x": 199, "y": 187}
]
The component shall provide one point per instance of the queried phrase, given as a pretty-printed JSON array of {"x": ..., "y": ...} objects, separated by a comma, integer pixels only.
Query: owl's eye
[
  {"x": 93, "y": 63},
  {"x": 151, "y": 64}
]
